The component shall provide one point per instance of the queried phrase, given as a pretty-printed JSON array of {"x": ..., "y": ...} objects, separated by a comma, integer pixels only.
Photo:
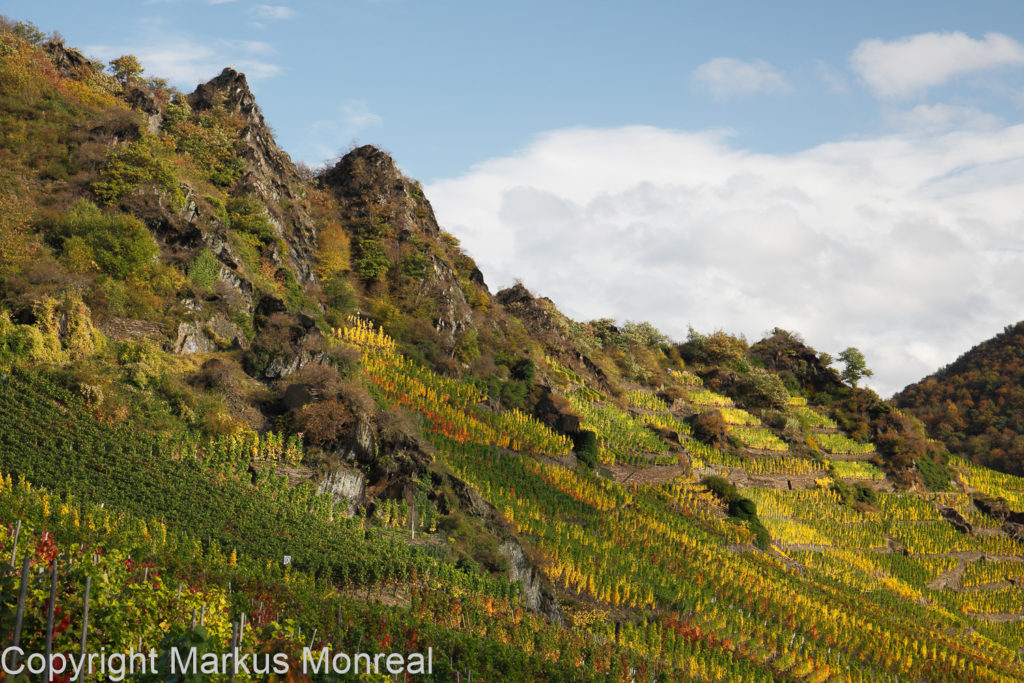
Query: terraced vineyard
[{"x": 241, "y": 405}]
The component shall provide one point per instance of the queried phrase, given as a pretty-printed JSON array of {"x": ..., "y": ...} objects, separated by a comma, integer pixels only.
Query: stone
[{"x": 192, "y": 339}]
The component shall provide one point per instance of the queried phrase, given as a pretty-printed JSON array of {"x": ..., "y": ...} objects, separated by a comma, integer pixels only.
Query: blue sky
[{"x": 851, "y": 171}]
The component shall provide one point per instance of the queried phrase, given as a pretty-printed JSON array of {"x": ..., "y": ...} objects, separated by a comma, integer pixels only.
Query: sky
[{"x": 851, "y": 172}]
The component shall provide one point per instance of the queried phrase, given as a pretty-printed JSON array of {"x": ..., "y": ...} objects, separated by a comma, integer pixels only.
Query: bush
[
  {"x": 720, "y": 486},
  {"x": 249, "y": 215},
  {"x": 204, "y": 270},
  {"x": 711, "y": 428},
  {"x": 134, "y": 165},
  {"x": 371, "y": 261},
  {"x": 118, "y": 244},
  {"x": 585, "y": 445},
  {"x": 513, "y": 394},
  {"x": 934, "y": 473},
  {"x": 340, "y": 295},
  {"x": 740, "y": 508}
]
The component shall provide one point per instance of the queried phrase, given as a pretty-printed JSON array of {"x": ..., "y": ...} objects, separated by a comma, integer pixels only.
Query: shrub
[
  {"x": 133, "y": 165},
  {"x": 711, "y": 428},
  {"x": 340, "y": 295},
  {"x": 371, "y": 261},
  {"x": 467, "y": 349},
  {"x": 416, "y": 265},
  {"x": 721, "y": 487},
  {"x": 204, "y": 270},
  {"x": 249, "y": 215},
  {"x": 585, "y": 445},
  {"x": 325, "y": 423},
  {"x": 118, "y": 244},
  {"x": 934, "y": 472}
]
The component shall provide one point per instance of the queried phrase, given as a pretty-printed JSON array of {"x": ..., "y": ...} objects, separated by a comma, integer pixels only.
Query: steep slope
[
  {"x": 211, "y": 360},
  {"x": 975, "y": 405}
]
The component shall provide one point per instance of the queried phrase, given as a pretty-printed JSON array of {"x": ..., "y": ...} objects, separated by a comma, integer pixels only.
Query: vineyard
[{"x": 253, "y": 409}]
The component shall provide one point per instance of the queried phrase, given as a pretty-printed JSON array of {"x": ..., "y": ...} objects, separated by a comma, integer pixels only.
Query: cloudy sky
[{"x": 853, "y": 173}]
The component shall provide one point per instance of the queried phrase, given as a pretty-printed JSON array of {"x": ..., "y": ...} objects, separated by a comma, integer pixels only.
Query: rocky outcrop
[
  {"x": 346, "y": 487},
  {"x": 378, "y": 202},
  {"x": 70, "y": 62},
  {"x": 192, "y": 339},
  {"x": 535, "y": 594},
  {"x": 270, "y": 173},
  {"x": 957, "y": 520},
  {"x": 997, "y": 508}
]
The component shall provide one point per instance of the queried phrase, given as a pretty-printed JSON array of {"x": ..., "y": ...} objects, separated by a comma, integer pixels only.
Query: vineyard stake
[
  {"x": 312, "y": 639},
  {"x": 49, "y": 619},
  {"x": 20, "y": 614},
  {"x": 234, "y": 646},
  {"x": 202, "y": 614},
  {"x": 14, "y": 550},
  {"x": 85, "y": 615},
  {"x": 241, "y": 628}
]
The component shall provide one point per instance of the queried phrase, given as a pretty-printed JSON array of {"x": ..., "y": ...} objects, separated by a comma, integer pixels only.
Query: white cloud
[
  {"x": 186, "y": 61},
  {"x": 727, "y": 76},
  {"x": 906, "y": 246},
  {"x": 273, "y": 12},
  {"x": 912, "y": 64},
  {"x": 933, "y": 118}
]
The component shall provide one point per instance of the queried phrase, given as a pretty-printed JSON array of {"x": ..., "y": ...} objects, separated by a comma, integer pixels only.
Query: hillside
[
  {"x": 975, "y": 405},
  {"x": 248, "y": 404}
]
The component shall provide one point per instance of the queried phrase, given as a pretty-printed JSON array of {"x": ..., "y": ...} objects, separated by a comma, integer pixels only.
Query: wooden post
[
  {"x": 49, "y": 619},
  {"x": 19, "y": 616},
  {"x": 202, "y": 614},
  {"x": 85, "y": 616},
  {"x": 234, "y": 645},
  {"x": 241, "y": 628},
  {"x": 14, "y": 550}
]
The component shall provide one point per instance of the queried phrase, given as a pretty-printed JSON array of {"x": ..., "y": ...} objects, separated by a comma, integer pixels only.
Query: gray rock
[
  {"x": 345, "y": 487},
  {"x": 192, "y": 339},
  {"x": 535, "y": 595}
]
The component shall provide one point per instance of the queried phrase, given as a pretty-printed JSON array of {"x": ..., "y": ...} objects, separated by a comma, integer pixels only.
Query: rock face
[
  {"x": 997, "y": 508},
  {"x": 957, "y": 520},
  {"x": 70, "y": 62},
  {"x": 270, "y": 173},
  {"x": 192, "y": 339},
  {"x": 535, "y": 595},
  {"x": 378, "y": 202},
  {"x": 346, "y": 487}
]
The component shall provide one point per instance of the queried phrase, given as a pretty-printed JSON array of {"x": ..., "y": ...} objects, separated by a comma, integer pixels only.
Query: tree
[
  {"x": 856, "y": 366},
  {"x": 126, "y": 69}
]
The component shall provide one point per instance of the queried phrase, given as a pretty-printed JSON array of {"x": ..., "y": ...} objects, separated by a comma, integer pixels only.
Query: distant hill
[{"x": 976, "y": 404}]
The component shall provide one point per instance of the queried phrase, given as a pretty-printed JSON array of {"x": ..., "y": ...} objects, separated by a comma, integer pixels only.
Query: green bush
[
  {"x": 586, "y": 447},
  {"x": 721, "y": 487},
  {"x": 371, "y": 262},
  {"x": 134, "y": 165},
  {"x": 513, "y": 394},
  {"x": 249, "y": 215},
  {"x": 118, "y": 244},
  {"x": 416, "y": 265},
  {"x": 204, "y": 270},
  {"x": 340, "y": 295},
  {"x": 934, "y": 472}
]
